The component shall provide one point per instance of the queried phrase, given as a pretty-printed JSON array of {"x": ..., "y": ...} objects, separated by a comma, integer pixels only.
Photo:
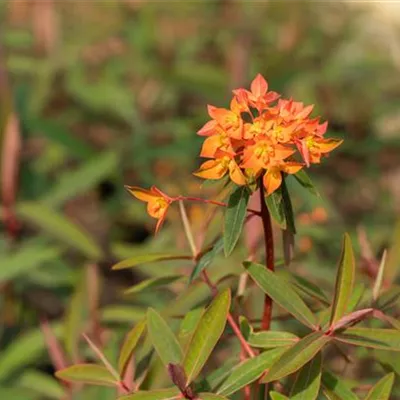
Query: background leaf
[
  {"x": 87, "y": 373},
  {"x": 381, "y": 390}
]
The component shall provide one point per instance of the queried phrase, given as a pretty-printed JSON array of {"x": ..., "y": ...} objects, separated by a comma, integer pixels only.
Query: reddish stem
[
  {"x": 269, "y": 256},
  {"x": 214, "y": 290}
]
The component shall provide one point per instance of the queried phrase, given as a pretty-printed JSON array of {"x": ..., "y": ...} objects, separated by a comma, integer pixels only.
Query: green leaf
[
  {"x": 277, "y": 396},
  {"x": 382, "y": 390},
  {"x": 210, "y": 396},
  {"x": 305, "y": 286},
  {"x": 130, "y": 342},
  {"x": 161, "y": 394},
  {"x": 308, "y": 380},
  {"x": 288, "y": 209},
  {"x": 163, "y": 339},
  {"x": 276, "y": 207},
  {"x": 25, "y": 259},
  {"x": 87, "y": 373},
  {"x": 57, "y": 225},
  {"x": 206, "y": 259},
  {"x": 74, "y": 183},
  {"x": 149, "y": 258},
  {"x": 248, "y": 371},
  {"x": 188, "y": 326},
  {"x": 297, "y": 356},
  {"x": 393, "y": 257},
  {"x": 344, "y": 281},
  {"x": 385, "y": 339},
  {"x": 120, "y": 313},
  {"x": 271, "y": 339},
  {"x": 336, "y": 389},
  {"x": 388, "y": 298},
  {"x": 152, "y": 283},
  {"x": 207, "y": 334},
  {"x": 42, "y": 383},
  {"x": 235, "y": 215},
  {"x": 281, "y": 292},
  {"x": 305, "y": 181}
]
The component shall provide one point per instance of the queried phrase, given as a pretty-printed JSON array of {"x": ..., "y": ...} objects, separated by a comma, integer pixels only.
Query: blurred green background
[{"x": 109, "y": 93}]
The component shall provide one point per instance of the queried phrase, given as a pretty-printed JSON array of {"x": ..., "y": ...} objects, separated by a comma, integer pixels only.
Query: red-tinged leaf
[
  {"x": 382, "y": 390},
  {"x": 149, "y": 258},
  {"x": 297, "y": 356},
  {"x": 351, "y": 319},
  {"x": 207, "y": 334},
  {"x": 308, "y": 380},
  {"x": 163, "y": 339},
  {"x": 335, "y": 388},
  {"x": 344, "y": 281},
  {"x": 130, "y": 342},
  {"x": 87, "y": 373},
  {"x": 160, "y": 394},
  {"x": 248, "y": 371},
  {"x": 385, "y": 339},
  {"x": 386, "y": 318},
  {"x": 281, "y": 292}
]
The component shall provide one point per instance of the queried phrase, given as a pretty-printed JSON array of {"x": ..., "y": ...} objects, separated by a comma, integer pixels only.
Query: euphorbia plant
[{"x": 255, "y": 146}]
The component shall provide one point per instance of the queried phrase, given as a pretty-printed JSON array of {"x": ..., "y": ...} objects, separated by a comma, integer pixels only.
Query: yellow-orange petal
[
  {"x": 259, "y": 86},
  {"x": 327, "y": 145},
  {"x": 160, "y": 221},
  {"x": 142, "y": 194},
  {"x": 208, "y": 128},
  {"x": 272, "y": 180},
  {"x": 236, "y": 174},
  {"x": 282, "y": 152},
  {"x": 292, "y": 167},
  {"x": 211, "y": 169},
  {"x": 210, "y": 146}
]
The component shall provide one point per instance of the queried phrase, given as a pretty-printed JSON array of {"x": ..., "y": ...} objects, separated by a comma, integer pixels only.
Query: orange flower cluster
[{"x": 259, "y": 136}]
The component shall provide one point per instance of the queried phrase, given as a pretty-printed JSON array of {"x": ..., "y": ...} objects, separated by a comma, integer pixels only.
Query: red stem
[{"x": 269, "y": 256}]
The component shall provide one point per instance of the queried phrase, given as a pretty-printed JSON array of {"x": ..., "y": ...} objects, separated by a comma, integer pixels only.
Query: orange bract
[
  {"x": 260, "y": 136},
  {"x": 157, "y": 202}
]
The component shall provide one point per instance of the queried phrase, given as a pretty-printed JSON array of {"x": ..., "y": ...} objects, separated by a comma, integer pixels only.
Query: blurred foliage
[{"x": 112, "y": 93}]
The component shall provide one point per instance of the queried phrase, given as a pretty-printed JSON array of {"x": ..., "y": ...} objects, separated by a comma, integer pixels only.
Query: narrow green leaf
[
  {"x": 235, "y": 215},
  {"x": 379, "y": 277},
  {"x": 288, "y": 209},
  {"x": 271, "y": 339},
  {"x": 248, "y": 371},
  {"x": 73, "y": 183},
  {"x": 210, "y": 396},
  {"x": 297, "y": 356},
  {"x": 305, "y": 286},
  {"x": 119, "y": 313},
  {"x": 214, "y": 379},
  {"x": 281, "y": 292},
  {"x": 335, "y": 388},
  {"x": 188, "y": 326},
  {"x": 207, "y": 334},
  {"x": 277, "y": 396},
  {"x": 160, "y": 394},
  {"x": 152, "y": 283},
  {"x": 276, "y": 207},
  {"x": 344, "y": 281},
  {"x": 385, "y": 339},
  {"x": 163, "y": 339},
  {"x": 87, "y": 373},
  {"x": 388, "y": 298},
  {"x": 130, "y": 342},
  {"x": 149, "y": 258},
  {"x": 308, "y": 380},
  {"x": 41, "y": 383},
  {"x": 206, "y": 259},
  {"x": 26, "y": 259},
  {"x": 305, "y": 181},
  {"x": 393, "y": 257},
  {"x": 382, "y": 390},
  {"x": 58, "y": 226}
]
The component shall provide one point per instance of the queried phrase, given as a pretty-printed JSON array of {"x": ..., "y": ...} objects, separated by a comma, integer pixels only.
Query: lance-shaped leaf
[
  {"x": 382, "y": 390},
  {"x": 388, "y": 299},
  {"x": 352, "y": 319},
  {"x": 87, "y": 373},
  {"x": 281, "y": 292},
  {"x": 344, "y": 281},
  {"x": 149, "y": 258},
  {"x": 336, "y": 389},
  {"x": 130, "y": 342},
  {"x": 210, "y": 396},
  {"x": 160, "y": 394},
  {"x": 297, "y": 356},
  {"x": 206, "y": 259},
  {"x": 277, "y": 396},
  {"x": 271, "y": 339},
  {"x": 276, "y": 207},
  {"x": 163, "y": 339},
  {"x": 152, "y": 283},
  {"x": 248, "y": 371},
  {"x": 235, "y": 215},
  {"x": 207, "y": 334},
  {"x": 385, "y": 339},
  {"x": 303, "y": 285},
  {"x": 308, "y": 380},
  {"x": 305, "y": 181}
]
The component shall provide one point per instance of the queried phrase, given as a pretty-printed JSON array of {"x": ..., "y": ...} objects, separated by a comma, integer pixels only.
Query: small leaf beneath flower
[
  {"x": 235, "y": 215},
  {"x": 305, "y": 181},
  {"x": 344, "y": 281},
  {"x": 308, "y": 380},
  {"x": 87, "y": 373},
  {"x": 281, "y": 292},
  {"x": 276, "y": 207},
  {"x": 382, "y": 390}
]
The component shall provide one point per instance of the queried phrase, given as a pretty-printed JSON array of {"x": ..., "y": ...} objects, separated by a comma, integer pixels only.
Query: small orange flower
[
  {"x": 157, "y": 202},
  {"x": 273, "y": 177}
]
